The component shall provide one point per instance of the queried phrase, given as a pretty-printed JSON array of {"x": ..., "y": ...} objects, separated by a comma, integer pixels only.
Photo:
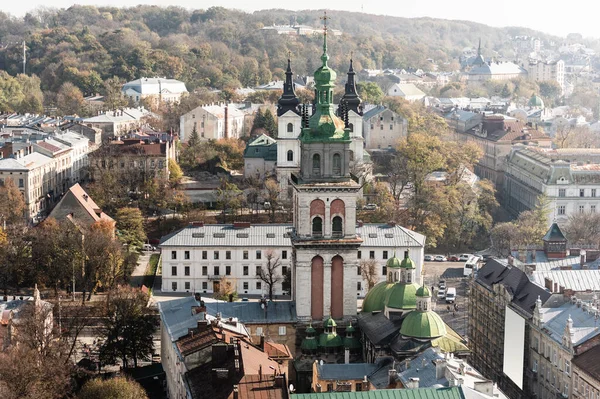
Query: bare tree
[
  {"x": 368, "y": 271},
  {"x": 268, "y": 274},
  {"x": 226, "y": 290}
]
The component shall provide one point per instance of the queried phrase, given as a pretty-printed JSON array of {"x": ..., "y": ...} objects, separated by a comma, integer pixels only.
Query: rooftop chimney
[
  {"x": 413, "y": 383},
  {"x": 440, "y": 368},
  {"x": 392, "y": 373}
]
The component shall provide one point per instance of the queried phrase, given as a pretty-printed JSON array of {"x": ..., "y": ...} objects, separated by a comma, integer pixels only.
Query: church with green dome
[{"x": 398, "y": 294}]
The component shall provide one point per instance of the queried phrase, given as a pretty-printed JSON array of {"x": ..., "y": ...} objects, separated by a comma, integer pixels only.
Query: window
[
  {"x": 174, "y": 285},
  {"x": 384, "y": 270},
  {"x": 283, "y": 254},
  {"x": 290, "y": 127},
  {"x": 317, "y": 227},
  {"x": 535, "y": 343},
  {"x": 245, "y": 285},
  {"x": 284, "y": 270},
  {"x": 227, "y": 254},
  {"x": 358, "y": 273},
  {"x": 173, "y": 254},
  {"x": 561, "y": 210},
  {"x": 581, "y": 208},
  {"x": 337, "y": 164},
  {"x": 258, "y": 285},
  {"x": 358, "y": 286},
  {"x": 173, "y": 270},
  {"x": 122, "y": 164},
  {"x": 372, "y": 126},
  {"x": 337, "y": 227},
  {"x": 582, "y": 192},
  {"x": 385, "y": 254},
  {"x": 21, "y": 183},
  {"x": 204, "y": 254},
  {"x": 204, "y": 270},
  {"x": 186, "y": 271},
  {"x": 245, "y": 255},
  {"x": 216, "y": 255},
  {"x": 316, "y": 165},
  {"x": 245, "y": 270},
  {"x": 216, "y": 271},
  {"x": 391, "y": 126},
  {"x": 358, "y": 255},
  {"x": 566, "y": 389},
  {"x": 282, "y": 330},
  {"x": 371, "y": 254},
  {"x": 228, "y": 270},
  {"x": 535, "y": 366},
  {"x": 187, "y": 285},
  {"x": 258, "y": 254},
  {"x": 259, "y": 331},
  {"x": 258, "y": 270},
  {"x": 204, "y": 285},
  {"x": 290, "y": 156},
  {"x": 562, "y": 192},
  {"x": 186, "y": 255},
  {"x": 567, "y": 367}
]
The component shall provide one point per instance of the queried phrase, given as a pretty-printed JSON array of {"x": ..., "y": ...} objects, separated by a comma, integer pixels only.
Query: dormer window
[
  {"x": 290, "y": 156},
  {"x": 290, "y": 127}
]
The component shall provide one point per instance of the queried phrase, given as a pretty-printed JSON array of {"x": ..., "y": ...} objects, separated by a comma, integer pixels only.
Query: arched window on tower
[
  {"x": 290, "y": 156},
  {"x": 317, "y": 227},
  {"x": 351, "y": 126},
  {"x": 290, "y": 127},
  {"x": 337, "y": 229},
  {"x": 337, "y": 164},
  {"x": 316, "y": 165}
]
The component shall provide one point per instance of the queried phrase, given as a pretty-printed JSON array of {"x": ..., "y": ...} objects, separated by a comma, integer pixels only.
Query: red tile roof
[
  {"x": 49, "y": 146},
  {"x": 277, "y": 351},
  {"x": 260, "y": 387}
]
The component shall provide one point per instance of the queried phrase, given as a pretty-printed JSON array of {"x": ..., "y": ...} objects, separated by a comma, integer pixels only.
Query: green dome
[
  {"x": 350, "y": 328},
  {"x": 330, "y": 340},
  {"x": 309, "y": 344},
  {"x": 393, "y": 263},
  {"x": 330, "y": 323},
  {"x": 351, "y": 343},
  {"x": 536, "y": 101},
  {"x": 423, "y": 292},
  {"x": 393, "y": 295},
  {"x": 310, "y": 329},
  {"x": 423, "y": 325},
  {"x": 407, "y": 263}
]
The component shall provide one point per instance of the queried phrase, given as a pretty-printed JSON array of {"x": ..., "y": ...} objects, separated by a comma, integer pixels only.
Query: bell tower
[{"x": 324, "y": 240}]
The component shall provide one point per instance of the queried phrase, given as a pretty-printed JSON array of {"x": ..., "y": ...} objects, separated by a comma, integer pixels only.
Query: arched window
[
  {"x": 351, "y": 126},
  {"x": 316, "y": 166},
  {"x": 424, "y": 305},
  {"x": 337, "y": 230},
  {"x": 290, "y": 127},
  {"x": 351, "y": 155},
  {"x": 290, "y": 156},
  {"x": 337, "y": 164},
  {"x": 409, "y": 277},
  {"x": 317, "y": 227},
  {"x": 396, "y": 279}
]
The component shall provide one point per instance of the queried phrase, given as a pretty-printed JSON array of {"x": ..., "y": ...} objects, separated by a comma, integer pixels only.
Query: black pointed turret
[
  {"x": 288, "y": 100},
  {"x": 351, "y": 97}
]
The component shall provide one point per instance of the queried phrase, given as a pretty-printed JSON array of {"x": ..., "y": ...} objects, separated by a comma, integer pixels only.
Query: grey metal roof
[
  {"x": 585, "y": 324},
  {"x": 351, "y": 371},
  {"x": 276, "y": 235},
  {"x": 11, "y": 164},
  {"x": 374, "y": 111},
  {"x": 251, "y": 312},
  {"x": 421, "y": 367},
  {"x": 419, "y": 393},
  {"x": 177, "y": 317},
  {"x": 378, "y": 328},
  {"x": 576, "y": 280}
]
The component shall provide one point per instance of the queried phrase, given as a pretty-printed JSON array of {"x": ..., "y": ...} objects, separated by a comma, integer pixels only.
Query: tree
[
  {"x": 583, "y": 228},
  {"x": 268, "y": 274},
  {"x": 129, "y": 328},
  {"x": 175, "y": 173},
  {"x": 130, "y": 226},
  {"x": 258, "y": 122},
  {"x": 273, "y": 192},
  {"x": 113, "y": 96},
  {"x": 12, "y": 204},
  {"x": 229, "y": 198},
  {"x": 69, "y": 100},
  {"x": 112, "y": 388},
  {"x": 226, "y": 291},
  {"x": 101, "y": 253},
  {"x": 370, "y": 92},
  {"x": 270, "y": 125},
  {"x": 369, "y": 271}
]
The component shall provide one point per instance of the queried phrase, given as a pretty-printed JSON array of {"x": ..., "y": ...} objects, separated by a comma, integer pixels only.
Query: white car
[
  {"x": 428, "y": 258},
  {"x": 441, "y": 294},
  {"x": 440, "y": 258},
  {"x": 464, "y": 257}
]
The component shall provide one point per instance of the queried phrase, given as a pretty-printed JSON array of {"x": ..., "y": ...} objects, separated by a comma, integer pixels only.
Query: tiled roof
[
  {"x": 87, "y": 203},
  {"x": 259, "y": 387},
  {"x": 277, "y": 351},
  {"x": 419, "y": 393},
  {"x": 254, "y": 360},
  {"x": 588, "y": 362},
  {"x": 48, "y": 146}
]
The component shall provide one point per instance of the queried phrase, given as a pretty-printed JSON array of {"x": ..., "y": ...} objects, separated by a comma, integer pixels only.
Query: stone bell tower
[{"x": 325, "y": 242}]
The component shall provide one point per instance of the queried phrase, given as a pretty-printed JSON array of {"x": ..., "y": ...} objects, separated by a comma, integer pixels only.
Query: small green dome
[
  {"x": 310, "y": 329},
  {"x": 536, "y": 101},
  {"x": 350, "y": 328},
  {"x": 393, "y": 295},
  {"x": 423, "y": 325},
  {"x": 330, "y": 322},
  {"x": 423, "y": 292},
  {"x": 407, "y": 263},
  {"x": 351, "y": 343},
  {"x": 393, "y": 263},
  {"x": 309, "y": 344},
  {"x": 330, "y": 340}
]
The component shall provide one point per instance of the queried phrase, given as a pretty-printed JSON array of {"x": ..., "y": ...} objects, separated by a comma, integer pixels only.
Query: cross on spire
[
  {"x": 324, "y": 18},
  {"x": 289, "y": 54}
]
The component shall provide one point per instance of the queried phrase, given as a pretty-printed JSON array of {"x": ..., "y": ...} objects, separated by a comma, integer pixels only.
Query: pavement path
[{"x": 137, "y": 277}]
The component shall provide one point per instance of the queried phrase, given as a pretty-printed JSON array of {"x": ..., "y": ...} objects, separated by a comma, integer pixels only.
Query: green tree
[
  {"x": 12, "y": 204},
  {"x": 370, "y": 92},
  {"x": 270, "y": 125},
  {"x": 69, "y": 100},
  {"x": 112, "y": 388},
  {"x": 175, "y": 173},
  {"x": 229, "y": 198},
  {"x": 129, "y": 328},
  {"x": 259, "y": 121},
  {"x": 130, "y": 226},
  {"x": 113, "y": 96},
  {"x": 272, "y": 195}
]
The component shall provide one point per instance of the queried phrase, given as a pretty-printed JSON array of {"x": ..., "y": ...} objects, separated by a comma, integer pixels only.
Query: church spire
[
  {"x": 325, "y": 56},
  {"x": 351, "y": 97},
  {"x": 288, "y": 100}
]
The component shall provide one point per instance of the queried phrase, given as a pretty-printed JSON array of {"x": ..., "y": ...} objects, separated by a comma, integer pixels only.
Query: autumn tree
[
  {"x": 369, "y": 270},
  {"x": 370, "y": 92},
  {"x": 113, "y": 96},
  {"x": 129, "y": 328},
  {"x": 69, "y": 100},
  {"x": 269, "y": 273},
  {"x": 583, "y": 228},
  {"x": 226, "y": 289},
  {"x": 229, "y": 198},
  {"x": 272, "y": 195},
  {"x": 130, "y": 226},
  {"x": 102, "y": 258},
  {"x": 175, "y": 173},
  {"x": 112, "y": 388},
  {"x": 12, "y": 203}
]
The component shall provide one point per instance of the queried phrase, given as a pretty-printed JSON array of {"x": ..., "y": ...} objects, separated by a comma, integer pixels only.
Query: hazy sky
[{"x": 549, "y": 16}]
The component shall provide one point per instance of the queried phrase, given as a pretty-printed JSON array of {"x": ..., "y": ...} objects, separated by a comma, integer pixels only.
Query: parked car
[
  {"x": 428, "y": 258},
  {"x": 464, "y": 257},
  {"x": 442, "y": 285},
  {"x": 148, "y": 247},
  {"x": 440, "y": 258},
  {"x": 453, "y": 258},
  {"x": 451, "y": 295},
  {"x": 370, "y": 207},
  {"x": 441, "y": 294}
]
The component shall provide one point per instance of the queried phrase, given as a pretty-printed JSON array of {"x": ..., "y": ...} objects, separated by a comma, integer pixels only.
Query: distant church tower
[
  {"x": 350, "y": 110},
  {"x": 324, "y": 240}
]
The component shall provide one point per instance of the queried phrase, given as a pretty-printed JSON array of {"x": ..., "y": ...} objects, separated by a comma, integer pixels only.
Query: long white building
[{"x": 196, "y": 258}]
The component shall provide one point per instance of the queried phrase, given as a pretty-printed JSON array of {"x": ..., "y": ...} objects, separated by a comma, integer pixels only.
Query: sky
[{"x": 550, "y": 16}]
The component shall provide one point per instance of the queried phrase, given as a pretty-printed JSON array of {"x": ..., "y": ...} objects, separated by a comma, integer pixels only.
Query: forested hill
[{"x": 222, "y": 48}]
